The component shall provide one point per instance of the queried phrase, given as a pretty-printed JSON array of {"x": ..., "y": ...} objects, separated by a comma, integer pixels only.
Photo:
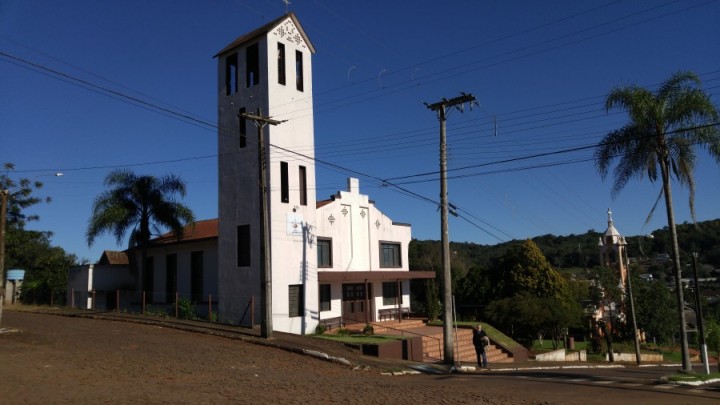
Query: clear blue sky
[{"x": 539, "y": 70}]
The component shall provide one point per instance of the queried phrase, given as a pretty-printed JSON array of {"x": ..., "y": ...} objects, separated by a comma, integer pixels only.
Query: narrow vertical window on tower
[
  {"x": 231, "y": 74},
  {"x": 303, "y": 185},
  {"x": 281, "y": 63},
  {"x": 284, "y": 185},
  {"x": 243, "y": 246},
  {"x": 252, "y": 67},
  {"x": 242, "y": 130},
  {"x": 299, "y": 70}
]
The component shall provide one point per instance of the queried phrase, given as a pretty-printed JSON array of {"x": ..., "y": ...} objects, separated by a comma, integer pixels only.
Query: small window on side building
[
  {"x": 390, "y": 254},
  {"x": 170, "y": 277},
  {"x": 325, "y": 297},
  {"x": 390, "y": 293},
  {"x": 296, "y": 301},
  {"x": 196, "y": 276},
  {"x": 324, "y": 252}
]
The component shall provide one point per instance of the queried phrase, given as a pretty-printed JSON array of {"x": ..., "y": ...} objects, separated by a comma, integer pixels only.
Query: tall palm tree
[
  {"x": 140, "y": 204},
  {"x": 664, "y": 129}
]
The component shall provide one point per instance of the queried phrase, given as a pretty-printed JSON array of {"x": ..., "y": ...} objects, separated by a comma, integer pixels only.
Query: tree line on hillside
[{"x": 546, "y": 286}]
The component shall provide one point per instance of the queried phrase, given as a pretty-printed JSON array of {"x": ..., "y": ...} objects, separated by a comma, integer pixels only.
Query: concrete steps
[{"x": 464, "y": 349}]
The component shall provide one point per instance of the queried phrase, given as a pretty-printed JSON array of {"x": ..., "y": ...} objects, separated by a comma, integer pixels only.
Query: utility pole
[
  {"x": 266, "y": 328},
  {"x": 441, "y": 109},
  {"x": 638, "y": 357},
  {"x": 698, "y": 314},
  {"x": 3, "y": 221}
]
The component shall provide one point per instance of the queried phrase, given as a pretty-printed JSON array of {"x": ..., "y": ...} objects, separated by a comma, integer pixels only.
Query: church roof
[
  {"x": 264, "y": 30},
  {"x": 611, "y": 231},
  {"x": 612, "y": 235},
  {"x": 206, "y": 229},
  {"x": 113, "y": 257}
]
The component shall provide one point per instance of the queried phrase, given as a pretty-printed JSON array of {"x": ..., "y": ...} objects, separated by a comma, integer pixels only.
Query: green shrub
[
  {"x": 155, "y": 311},
  {"x": 320, "y": 329},
  {"x": 186, "y": 309},
  {"x": 368, "y": 329}
]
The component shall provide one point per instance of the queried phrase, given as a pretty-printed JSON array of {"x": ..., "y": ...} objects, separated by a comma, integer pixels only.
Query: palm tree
[
  {"x": 140, "y": 203},
  {"x": 664, "y": 129}
]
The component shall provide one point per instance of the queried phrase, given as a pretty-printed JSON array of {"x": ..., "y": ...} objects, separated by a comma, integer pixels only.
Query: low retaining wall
[
  {"x": 562, "y": 355},
  {"x": 630, "y": 357}
]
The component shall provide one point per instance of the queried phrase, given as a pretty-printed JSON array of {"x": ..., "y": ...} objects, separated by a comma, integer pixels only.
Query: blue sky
[{"x": 539, "y": 71}]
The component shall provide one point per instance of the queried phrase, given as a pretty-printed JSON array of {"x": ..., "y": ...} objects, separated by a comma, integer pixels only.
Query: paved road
[
  {"x": 627, "y": 384},
  {"x": 57, "y": 359}
]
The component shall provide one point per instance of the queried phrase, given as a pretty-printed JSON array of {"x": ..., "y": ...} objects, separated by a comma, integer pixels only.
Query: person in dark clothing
[{"x": 480, "y": 341}]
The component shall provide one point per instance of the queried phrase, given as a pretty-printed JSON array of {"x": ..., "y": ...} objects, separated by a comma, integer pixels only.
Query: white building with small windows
[{"x": 334, "y": 259}]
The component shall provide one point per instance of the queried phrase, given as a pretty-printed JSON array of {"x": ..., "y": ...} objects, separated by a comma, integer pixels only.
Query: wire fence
[{"x": 159, "y": 303}]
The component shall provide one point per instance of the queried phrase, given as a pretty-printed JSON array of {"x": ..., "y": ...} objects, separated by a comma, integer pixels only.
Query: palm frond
[{"x": 652, "y": 210}]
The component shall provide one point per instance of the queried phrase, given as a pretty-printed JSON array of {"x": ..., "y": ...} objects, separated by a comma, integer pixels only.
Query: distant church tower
[
  {"x": 266, "y": 72},
  {"x": 613, "y": 252}
]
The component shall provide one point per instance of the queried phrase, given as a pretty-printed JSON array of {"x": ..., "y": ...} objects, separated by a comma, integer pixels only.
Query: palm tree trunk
[{"x": 686, "y": 365}]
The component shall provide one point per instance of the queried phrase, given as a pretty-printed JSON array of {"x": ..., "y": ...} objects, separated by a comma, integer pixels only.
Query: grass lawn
[
  {"x": 494, "y": 334},
  {"x": 693, "y": 377},
  {"x": 360, "y": 338}
]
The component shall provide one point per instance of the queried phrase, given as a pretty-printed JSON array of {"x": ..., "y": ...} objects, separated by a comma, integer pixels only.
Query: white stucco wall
[
  {"x": 105, "y": 280},
  {"x": 292, "y": 259},
  {"x": 357, "y": 228},
  {"x": 183, "y": 252}
]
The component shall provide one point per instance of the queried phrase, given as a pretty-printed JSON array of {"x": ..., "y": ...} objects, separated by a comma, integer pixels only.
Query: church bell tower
[{"x": 266, "y": 73}]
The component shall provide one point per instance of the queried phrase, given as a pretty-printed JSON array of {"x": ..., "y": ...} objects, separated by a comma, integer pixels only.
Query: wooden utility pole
[
  {"x": 699, "y": 316},
  {"x": 266, "y": 328},
  {"x": 441, "y": 109},
  {"x": 3, "y": 221},
  {"x": 638, "y": 356}
]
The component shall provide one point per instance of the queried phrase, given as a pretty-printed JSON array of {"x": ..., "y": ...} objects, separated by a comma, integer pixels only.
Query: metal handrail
[{"x": 403, "y": 331}]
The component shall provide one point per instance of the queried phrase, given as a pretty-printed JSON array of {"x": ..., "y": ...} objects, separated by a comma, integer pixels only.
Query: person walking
[{"x": 480, "y": 341}]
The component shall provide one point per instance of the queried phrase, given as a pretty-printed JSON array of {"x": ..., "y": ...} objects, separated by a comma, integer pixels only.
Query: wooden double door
[{"x": 356, "y": 305}]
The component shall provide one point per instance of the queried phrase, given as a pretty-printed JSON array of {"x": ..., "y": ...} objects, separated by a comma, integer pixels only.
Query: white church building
[{"x": 336, "y": 259}]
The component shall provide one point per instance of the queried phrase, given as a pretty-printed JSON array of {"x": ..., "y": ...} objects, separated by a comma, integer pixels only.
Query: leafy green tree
[
  {"x": 523, "y": 269},
  {"x": 664, "y": 129},
  {"x": 139, "y": 204},
  {"x": 21, "y": 195},
  {"x": 472, "y": 294},
  {"x": 45, "y": 266},
  {"x": 525, "y": 317},
  {"x": 531, "y": 297},
  {"x": 712, "y": 330}
]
